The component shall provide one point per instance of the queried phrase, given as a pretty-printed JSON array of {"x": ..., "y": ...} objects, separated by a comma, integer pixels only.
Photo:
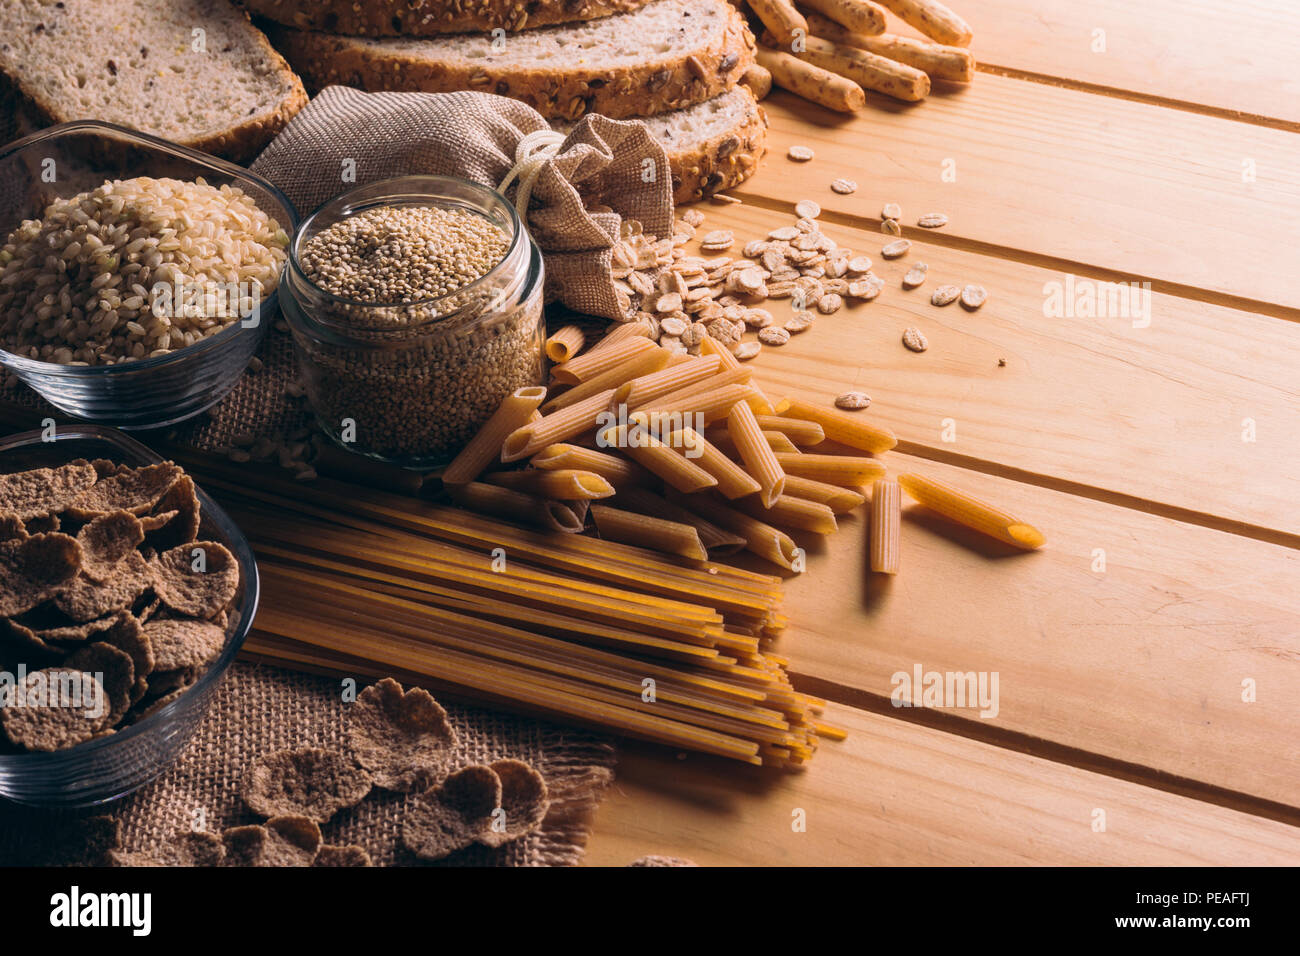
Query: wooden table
[{"x": 1149, "y": 657}]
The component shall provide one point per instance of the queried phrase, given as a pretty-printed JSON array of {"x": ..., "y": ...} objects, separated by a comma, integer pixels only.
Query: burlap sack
[
  {"x": 474, "y": 136},
  {"x": 258, "y": 710}
]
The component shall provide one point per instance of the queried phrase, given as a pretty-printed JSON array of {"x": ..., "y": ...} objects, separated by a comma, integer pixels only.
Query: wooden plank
[
  {"x": 1057, "y": 174},
  {"x": 1158, "y": 413},
  {"x": 1236, "y": 56},
  {"x": 896, "y": 794},
  {"x": 1143, "y": 662}
]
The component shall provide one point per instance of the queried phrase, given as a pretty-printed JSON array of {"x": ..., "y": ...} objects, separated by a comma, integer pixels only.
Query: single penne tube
[
  {"x": 567, "y": 516},
  {"x": 736, "y": 376},
  {"x": 642, "y": 363},
  {"x": 733, "y": 481},
  {"x": 761, "y": 538},
  {"x": 618, "y": 471},
  {"x": 839, "y": 427},
  {"x": 811, "y": 82},
  {"x": 711, "y": 405},
  {"x": 839, "y": 499},
  {"x": 758, "y": 401},
  {"x": 485, "y": 447},
  {"x": 566, "y": 484},
  {"x": 852, "y": 472},
  {"x": 500, "y": 502},
  {"x": 798, "y": 430},
  {"x": 657, "y": 534},
  {"x": 868, "y": 70},
  {"x": 645, "y": 388},
  {"x": 781, "y": 18},
  {"x": 531, "y": 438},
  {"x": 933, "y": 19},
  {"x": 971, "y": 512},
  {"x": 860, "y": 16},
  {"x": 652, "y": 454},
  {"x": 565, "y": 343},
  {"x": 596, "y": 360},
  {"x": 759, "y": 458},
  {"x": 711, "y": 346},
  {"x": 628, "y": 330},
  {"x": 939, "y": 62},
  {"x": 886, "y": 503},
  {"x": 718, "y": 541},
  {"x": 778, "y": 441},
  {"x": 790, "y": 512}
]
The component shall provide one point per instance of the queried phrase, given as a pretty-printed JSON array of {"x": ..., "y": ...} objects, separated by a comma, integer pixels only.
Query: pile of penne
[
  {"x": 685, "y": 455},
  {"x": 829, "y": 51}
]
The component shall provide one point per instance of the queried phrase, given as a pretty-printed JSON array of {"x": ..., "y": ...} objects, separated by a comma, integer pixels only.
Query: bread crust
[
  {"x": 414, "y": 18},
  {"x": 724, "y": 161},
  {"x": 642, "y": 90}
]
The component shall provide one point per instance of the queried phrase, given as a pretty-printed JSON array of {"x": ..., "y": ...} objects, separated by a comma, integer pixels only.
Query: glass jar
[{"x": 410, "y": 383}]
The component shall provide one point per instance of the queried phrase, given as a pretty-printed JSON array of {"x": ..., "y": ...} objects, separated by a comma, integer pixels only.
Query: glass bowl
[
  {"x": 150, "y": 392},
  {"x": 111, "y": 767}
]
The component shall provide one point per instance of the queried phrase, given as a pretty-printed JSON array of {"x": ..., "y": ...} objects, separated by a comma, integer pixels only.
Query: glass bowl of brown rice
[
  {"x": 162, "y": 718},
  {"x": 137, "y": 277}
]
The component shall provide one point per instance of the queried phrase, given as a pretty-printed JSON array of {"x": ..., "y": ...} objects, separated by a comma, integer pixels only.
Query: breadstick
[
  {"x": 938, "y": 61},
  {"x": 933, "y": 19},
  {"x": 812, "y": 82},
  {"x": 758, "y": 80},
  {"x": 868, "y": 70},
  {"x": 860, "y": 16},
  {"x": 781, "y": 19}
]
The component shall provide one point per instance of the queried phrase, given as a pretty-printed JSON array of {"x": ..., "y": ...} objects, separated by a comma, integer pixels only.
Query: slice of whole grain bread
[
  {"x": 412, "y": 18},
  {"x": 194, "y": 72},
  {"x": 665, "y": 56}
]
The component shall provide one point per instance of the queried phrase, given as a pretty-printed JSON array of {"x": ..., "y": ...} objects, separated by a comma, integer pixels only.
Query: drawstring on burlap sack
[{"x": 533, "y": 152}]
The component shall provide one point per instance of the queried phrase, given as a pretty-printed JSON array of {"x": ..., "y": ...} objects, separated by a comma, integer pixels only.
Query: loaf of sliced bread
[
  {"x": 711, "y": 146},
  {"x": 667, "y": 55},
  {"x": 415, "y": 18},
  {"x": 195, "y": 72}
]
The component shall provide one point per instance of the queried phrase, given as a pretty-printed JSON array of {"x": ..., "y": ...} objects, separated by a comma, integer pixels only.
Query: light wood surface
[
  {"x": 1121, "y": 689},
  {"x": 895, "y": 794}
]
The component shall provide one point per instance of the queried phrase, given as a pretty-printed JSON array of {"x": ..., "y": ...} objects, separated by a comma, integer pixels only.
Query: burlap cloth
[{"x": 258, "y": 710}]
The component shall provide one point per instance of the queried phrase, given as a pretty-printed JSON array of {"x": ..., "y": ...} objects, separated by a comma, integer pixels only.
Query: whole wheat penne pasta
[
  {"x": 758, "y": 80},
  {"x": 718, "y": 541},
  {"x": 618, "y": 471},
  {"x": 652, "y": 454},
  {"x": 860, "y": 16},
  {"x": 939, "y": 62},
  {"x": 886, "y": 502},
  {"x": 760, "y": 461},
  {"x": 594, "y": 361},
  {"x": 833, "y": 469},
  {"x": 781, "y": 18},
  {"x": 645, "y": 388},
  {"x": 798, "y": 430},
  {"x": 839, "y": 499},
  {"x": 712, "y": 405},
  {"x": 627, "y": 330},
  {"x": 868, "y": 70},
  {"x": 790, "y": 512},
  {"x": 760, "y": 537},
  {"x": 641, "y": 364},
  {"x": 758, "y": 401},
  {"x": 812, "y": 83},
  {"x": 840, "y": 427},
  {"x": 566, "y": 484},
  {"x": 711, "y": 346},
  {"x": 531, "y": 438},
  {"x": 736, "y": 376},
  {"x": 971, "y": 512},
  {"x": 645, "y": 531},
  {"x": 567, "y": 516},
  {"x": 733, "y": 481},
  {"x": 933, "y": 19},
  {"x": 565, "y": 343},
  {"x": 485, "y": 447},
  {"x": 501, "y": 502},
  {"x": 778, "y": 441}
]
